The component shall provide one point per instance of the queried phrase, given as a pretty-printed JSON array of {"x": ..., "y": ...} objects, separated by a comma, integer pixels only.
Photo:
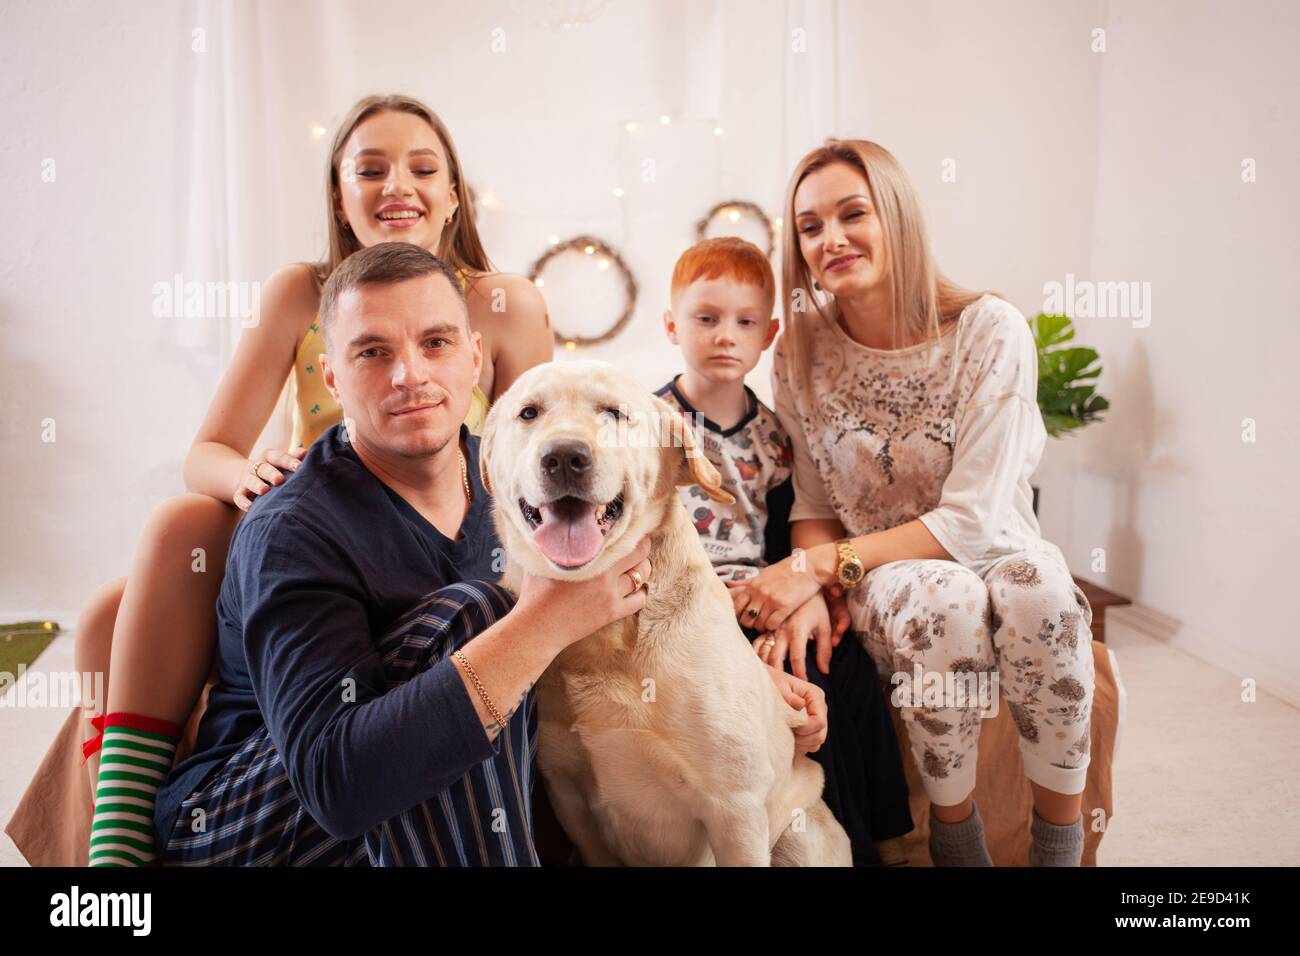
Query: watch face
[{"x": 852, "y": 572}]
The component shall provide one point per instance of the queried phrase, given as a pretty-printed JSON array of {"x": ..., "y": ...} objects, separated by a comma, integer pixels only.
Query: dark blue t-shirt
[{"x": 318, "y": 569}]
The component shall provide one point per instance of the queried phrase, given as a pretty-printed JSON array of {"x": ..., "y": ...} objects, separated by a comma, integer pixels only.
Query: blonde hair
[
  {"x": 459, "y": 246},
  {"x": 923, "y": 298}
]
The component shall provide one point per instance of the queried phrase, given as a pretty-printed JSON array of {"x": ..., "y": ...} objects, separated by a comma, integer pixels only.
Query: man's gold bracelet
[{"x": 482, "y": 692}]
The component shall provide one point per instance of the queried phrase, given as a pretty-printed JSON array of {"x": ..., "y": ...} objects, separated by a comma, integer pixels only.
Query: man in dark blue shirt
[{"x": 354, "y": 719}]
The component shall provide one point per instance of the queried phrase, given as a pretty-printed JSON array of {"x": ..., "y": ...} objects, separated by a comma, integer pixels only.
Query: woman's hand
[
  {"x": 763, "y": 602},
  {"x": 271, "y": 466},
  {"x": 812, "y": 621},
  {"x": 801, "y": 695}
]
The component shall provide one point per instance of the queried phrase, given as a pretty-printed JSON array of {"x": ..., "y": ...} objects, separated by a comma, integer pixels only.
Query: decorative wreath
[
  {"x": 591, "y": 246},
  {"x": 743, "y": 206}
]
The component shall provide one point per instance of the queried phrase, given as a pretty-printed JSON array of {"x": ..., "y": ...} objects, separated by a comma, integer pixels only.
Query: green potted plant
[{"x": 1067, "y": 379}]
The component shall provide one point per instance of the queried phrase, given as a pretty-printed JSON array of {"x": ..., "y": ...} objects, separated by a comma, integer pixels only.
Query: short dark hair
[{"x": 382, "y": 264}]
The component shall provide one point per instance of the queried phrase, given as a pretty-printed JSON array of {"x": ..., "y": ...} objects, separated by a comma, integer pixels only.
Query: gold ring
[
  {"x": 256, "y": 465},
  {"x": 637, "y": 581},
  {"x": 770, "y": 643}
]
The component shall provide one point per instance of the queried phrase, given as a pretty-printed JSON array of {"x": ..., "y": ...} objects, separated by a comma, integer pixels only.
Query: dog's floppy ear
[
  {"x": 484, "y": 447},
  {"x": 692, "y": 467}
]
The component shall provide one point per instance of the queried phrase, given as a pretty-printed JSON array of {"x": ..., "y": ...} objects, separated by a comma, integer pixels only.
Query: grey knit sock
[
  {"x": 958, "y": 844},
  {"x": 1055, "y": 845}
]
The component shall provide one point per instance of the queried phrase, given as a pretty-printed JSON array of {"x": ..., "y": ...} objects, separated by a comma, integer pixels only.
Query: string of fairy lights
[{"x": 728, "y": 213}]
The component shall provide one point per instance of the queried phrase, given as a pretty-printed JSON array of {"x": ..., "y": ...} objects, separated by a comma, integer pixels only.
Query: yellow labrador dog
[{"x": 663, "y": 741}]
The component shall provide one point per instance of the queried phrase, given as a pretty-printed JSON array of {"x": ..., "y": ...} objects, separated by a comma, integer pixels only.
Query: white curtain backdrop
[{"x": 540, "y": 114}]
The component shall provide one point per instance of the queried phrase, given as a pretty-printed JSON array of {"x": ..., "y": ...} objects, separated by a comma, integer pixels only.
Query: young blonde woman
[
  {"x": 394, "y": 175},
  {"x": 912, "y": 407}
]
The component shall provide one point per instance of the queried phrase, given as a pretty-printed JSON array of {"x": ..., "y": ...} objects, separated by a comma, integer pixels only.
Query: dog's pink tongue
[{"x": 571, "y": 538}]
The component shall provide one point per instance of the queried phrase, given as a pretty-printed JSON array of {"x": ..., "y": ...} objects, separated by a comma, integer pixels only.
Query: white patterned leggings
[{"x": 1024, "y": 619}]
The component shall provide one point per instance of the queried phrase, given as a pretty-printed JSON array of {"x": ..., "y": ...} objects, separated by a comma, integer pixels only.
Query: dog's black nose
[{"x": 566, "y": 461}]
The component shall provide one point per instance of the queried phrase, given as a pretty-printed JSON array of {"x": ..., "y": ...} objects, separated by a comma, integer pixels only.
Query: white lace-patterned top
[{"x": 948, "y": 432}]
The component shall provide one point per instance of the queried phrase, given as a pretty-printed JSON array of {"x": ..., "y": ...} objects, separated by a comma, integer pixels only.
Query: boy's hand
[
  {"x": 837, "y": 603},
  {"x": 811, "y": 734},
  {"x": 811, "y": 620}
]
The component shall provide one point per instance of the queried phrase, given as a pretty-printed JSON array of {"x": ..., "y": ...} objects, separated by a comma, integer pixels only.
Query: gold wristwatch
[{"x": 851, "y": 570}]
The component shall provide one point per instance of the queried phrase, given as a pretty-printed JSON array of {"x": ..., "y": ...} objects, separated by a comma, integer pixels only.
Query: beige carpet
[{"x": 1201, "y": 778}]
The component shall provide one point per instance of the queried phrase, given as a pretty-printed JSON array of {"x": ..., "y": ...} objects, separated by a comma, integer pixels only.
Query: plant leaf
[
  {"x": 1067, "y": 398},
  {"x": 1052, "y": 330}
]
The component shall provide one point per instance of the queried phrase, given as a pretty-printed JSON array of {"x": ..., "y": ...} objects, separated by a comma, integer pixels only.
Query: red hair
[{"x": 725, "y": 257}]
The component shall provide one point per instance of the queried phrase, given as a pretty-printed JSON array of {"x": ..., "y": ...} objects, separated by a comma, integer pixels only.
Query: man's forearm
[
  {"x": 356, "y": 764},
  {"x": 507, "y": 658}
]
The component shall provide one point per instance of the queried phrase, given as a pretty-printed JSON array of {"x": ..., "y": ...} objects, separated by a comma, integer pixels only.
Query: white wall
[
  {"x": 1006, "y": 90},
  {"x": 96, "y": 91},
  {"x": 1116, "y": 165},
  {"x": 1196, "y": 523}
]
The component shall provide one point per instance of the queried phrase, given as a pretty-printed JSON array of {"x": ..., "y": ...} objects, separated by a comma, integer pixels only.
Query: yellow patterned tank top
[{"x": 314, "y": 409}]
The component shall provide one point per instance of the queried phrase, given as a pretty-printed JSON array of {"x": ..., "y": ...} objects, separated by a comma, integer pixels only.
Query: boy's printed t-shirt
[{"x": 755, "y": 459}]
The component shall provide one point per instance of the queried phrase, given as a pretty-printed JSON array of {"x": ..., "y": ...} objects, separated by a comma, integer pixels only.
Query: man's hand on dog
[
  {"x": 572, "y": 610},
  {"x": 802, "y": 695}
]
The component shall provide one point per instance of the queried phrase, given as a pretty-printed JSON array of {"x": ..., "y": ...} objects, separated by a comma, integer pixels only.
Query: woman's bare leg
[
  {"x": 92, "y": 645},
  {"x": 955, "y": 813},
  {"x": 1059, "y": 808},
  {"x": 155, "y": 630},
  {"x": 163, "y": 638},
  {"x": 166, "y": 625}
]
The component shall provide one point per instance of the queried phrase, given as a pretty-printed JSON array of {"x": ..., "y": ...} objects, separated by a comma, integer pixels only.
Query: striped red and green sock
[{"x": 133, "y": 763}]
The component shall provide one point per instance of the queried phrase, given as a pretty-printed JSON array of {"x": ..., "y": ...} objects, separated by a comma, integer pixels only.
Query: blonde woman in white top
[{"x": 912, "y": 407}]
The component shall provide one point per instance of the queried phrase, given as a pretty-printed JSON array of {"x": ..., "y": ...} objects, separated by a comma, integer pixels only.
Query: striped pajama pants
[{"x": 246, "y": 813}]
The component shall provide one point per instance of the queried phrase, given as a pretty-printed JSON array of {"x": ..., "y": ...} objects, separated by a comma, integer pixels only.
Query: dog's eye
[
  {"x": 616, "y": 412},
  {"x": 528, "y": 412}
]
